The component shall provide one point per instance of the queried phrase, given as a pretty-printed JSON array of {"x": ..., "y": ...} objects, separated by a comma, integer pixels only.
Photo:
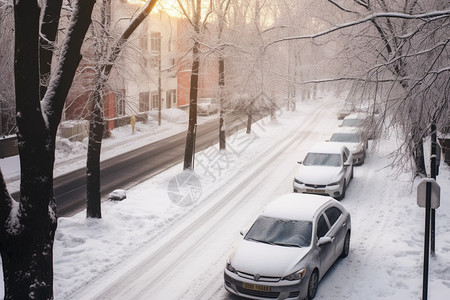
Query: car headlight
[
  {"x": 230, "y": 267},
  {"x": 334, "y": 183},
  {"x": 296, "y": 275},
  {"x": 297, "y": 181}
]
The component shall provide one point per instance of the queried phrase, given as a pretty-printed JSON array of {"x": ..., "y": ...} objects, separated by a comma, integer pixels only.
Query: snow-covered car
[
  {"x": 353, "y": 120},
  {"x": 289, "y": 248},
  {"x": 354, "y": 141},
  {"x": 345, "y": 110},
  {"x": 207, "y": 106},
  {"x": 326, "y": 170},
  {"x": 367, "y": 124}
]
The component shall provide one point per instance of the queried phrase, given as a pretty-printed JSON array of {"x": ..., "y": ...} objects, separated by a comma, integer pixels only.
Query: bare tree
[
  {"x": 106, "y": 56},
  {"x": 193, "y": 12},
  {"x": 27, "y": 234},
  {"x": 399, "y": 56}
]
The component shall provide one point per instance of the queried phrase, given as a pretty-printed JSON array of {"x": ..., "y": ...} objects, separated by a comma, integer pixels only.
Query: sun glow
[{"x": 171, "y": 7}]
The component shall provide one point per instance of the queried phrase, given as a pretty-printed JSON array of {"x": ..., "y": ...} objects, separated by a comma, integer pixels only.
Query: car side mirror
[
  {"x": 347, "y": 164},
  {"x": 324, "y": 240}
]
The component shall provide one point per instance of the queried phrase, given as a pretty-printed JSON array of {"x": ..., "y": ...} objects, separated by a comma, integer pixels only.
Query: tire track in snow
[{"x": 142, "y": 277}]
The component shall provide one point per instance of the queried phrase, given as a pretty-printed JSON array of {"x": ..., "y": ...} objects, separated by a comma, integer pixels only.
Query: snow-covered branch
[{"x": 431, "y": 16}]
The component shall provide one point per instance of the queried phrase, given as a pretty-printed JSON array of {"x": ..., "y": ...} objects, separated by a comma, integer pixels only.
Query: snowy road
[
  {"x": 185, "y": 259},
  {"x": 187, "y": 263}
]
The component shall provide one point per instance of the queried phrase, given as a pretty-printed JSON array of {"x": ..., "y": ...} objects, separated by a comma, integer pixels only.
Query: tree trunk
[
  {"x": 49, "y": 27},
  {"x": 222, "y": 142},
  {"x": 28, "y": 227},
  {"x": 191, "y": 134},
  {"x": 97, "y": 124},
  {"x": 96, "y": 128},
  {"x": 249, "y": 123},
  {"x": 419, "y": 159}
]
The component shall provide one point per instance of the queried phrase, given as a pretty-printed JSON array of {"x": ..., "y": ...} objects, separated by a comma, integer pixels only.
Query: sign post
[{"x": 428, "y": 196}]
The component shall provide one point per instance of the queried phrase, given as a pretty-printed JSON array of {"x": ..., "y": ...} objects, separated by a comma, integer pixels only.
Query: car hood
[
  {"x": 266, "y": 260},
  {"x": 318, "y": 174}
]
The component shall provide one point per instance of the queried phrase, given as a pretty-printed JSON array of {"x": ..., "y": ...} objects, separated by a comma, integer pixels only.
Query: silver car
[
  {"x": 326, "y": 170},
  {"x": 289, "y": 248},
  {"x": 354, "y": 141}
]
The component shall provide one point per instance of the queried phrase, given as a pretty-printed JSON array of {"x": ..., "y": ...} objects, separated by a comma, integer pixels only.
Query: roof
[
  {"x": 295, "y": 206},
  {"x": 327, "y": 147}
]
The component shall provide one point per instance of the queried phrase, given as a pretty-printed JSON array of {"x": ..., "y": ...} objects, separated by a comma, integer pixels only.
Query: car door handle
[{"x": 344, "y": 224}]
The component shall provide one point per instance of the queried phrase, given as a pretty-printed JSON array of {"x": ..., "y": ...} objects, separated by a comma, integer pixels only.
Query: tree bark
[
  {"x": 49, "y": 29},
  {"x": 29, "y": 225},
  {"x": 96, "y": 128},
  {"x": 191, "y": 134},
  {"x": 222, "y": 142}
]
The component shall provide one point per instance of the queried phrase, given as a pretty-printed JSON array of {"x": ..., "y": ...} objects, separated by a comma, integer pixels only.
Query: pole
[
  {"x": 159, "y": 83},
  {"x": 433, "y": 175},
  {"x": 426, "y": 250}
]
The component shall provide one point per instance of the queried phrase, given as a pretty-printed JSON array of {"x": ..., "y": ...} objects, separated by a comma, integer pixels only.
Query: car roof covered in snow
[
  {"x": 296, "y": 206},
  {"x": 327, "y": 147},
  {"x": 361, "y": 116}
]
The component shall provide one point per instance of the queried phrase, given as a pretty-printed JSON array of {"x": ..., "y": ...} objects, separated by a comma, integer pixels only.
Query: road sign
[{"x": 422, "y": 193}]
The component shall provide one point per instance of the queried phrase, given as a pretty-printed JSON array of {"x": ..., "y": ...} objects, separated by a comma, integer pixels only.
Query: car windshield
[
  {"x": 352, "y": 122},
  {"x": 345, "y": 138},
  {"x": 287, "y": 233},
  {"x": 322, "y": 159}
]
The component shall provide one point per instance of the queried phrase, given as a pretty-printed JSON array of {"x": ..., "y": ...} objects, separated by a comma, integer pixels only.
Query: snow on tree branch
[{"x": 431, "y": 16}]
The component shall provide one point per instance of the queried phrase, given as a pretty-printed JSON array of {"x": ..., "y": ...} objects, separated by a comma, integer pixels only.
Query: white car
[
  {"x": 354, "y": 141},
  {"x": 367, "y": 124},
  {"x": 326, "y": 170},
  {"x": 289, "y": 248},
  {"x": 207, "y": 106}
]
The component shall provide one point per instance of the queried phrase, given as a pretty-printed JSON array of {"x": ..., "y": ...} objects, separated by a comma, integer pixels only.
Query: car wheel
[
  {"x": 346, "y": 248},
  {"x": 312, "y": 284},
  {"x": 344, "y": 187}
]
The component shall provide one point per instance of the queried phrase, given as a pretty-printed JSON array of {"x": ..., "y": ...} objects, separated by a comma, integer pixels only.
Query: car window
[
  {"x": 333, "y": 213},
  {"x": 322, "y": 159},
  {"x": 289, "y": 233},
  {"x": 322, "y": 227},
  {"x": 345, "y": 137}
]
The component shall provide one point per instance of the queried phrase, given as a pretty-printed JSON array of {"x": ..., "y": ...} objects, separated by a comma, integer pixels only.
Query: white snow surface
[{"x": 386, "y": 254}]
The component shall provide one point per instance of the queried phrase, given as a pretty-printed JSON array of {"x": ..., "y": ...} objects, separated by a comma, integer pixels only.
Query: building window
[
  {"x": 143, "y": 42},
  {"x": 155, "y": 100},
  {"x": 156, "y": 42},
  {"x": 120, "y": 103},
  {"x": 171, "y": 97},
  {"x": 144, "y": 101},
  {"x": 174, "y": 96}
]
